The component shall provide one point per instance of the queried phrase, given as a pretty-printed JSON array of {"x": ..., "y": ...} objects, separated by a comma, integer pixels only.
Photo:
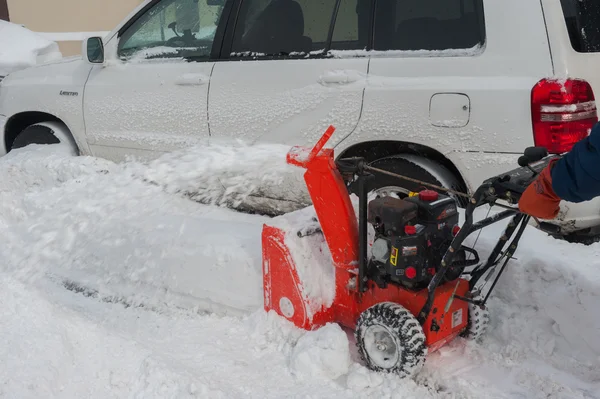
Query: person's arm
[{"x": 576, "y": 177}]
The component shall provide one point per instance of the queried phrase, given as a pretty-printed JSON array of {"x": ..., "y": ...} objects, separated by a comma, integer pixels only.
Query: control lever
[
  {"x": 536, "y": 153},
  {"x": 523, "y": 161},
  {"x": 531, "y": 155}
]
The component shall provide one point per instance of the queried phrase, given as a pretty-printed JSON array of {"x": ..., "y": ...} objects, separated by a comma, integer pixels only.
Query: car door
[
  {"x": 426, "y": 75},
  {"x": 150, "y": 95},
  {"x": 291, "y": 68}
]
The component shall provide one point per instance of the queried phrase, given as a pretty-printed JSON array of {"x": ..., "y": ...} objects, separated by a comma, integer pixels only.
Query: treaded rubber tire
[
  {"x": 35, "y": 134},
  {"x": 404, "y": 329},
  {"x": 477, "y": 324},
  {"x": 402, "y": 165}
]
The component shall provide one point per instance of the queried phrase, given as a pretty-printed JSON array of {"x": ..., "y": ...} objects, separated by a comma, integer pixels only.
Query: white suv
[{"x": 448, "y": 91}]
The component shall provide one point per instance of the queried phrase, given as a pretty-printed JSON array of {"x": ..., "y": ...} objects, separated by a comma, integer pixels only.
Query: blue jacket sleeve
[{"x": 576, "y": 177}]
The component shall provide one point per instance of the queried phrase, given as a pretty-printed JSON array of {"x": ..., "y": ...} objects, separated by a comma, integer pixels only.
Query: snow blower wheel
[
  {"x": 477, "y": 323},
  {"x": 390, "y": 339}
]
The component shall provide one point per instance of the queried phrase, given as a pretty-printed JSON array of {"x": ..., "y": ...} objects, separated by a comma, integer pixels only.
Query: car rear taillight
[{"x": 563, "y": 113}]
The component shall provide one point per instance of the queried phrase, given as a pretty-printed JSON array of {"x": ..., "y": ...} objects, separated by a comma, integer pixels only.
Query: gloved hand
[{"x": 539, "y": 199}]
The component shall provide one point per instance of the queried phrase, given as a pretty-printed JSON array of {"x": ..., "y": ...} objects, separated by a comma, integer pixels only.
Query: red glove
[{"x": 539, "y": 199}]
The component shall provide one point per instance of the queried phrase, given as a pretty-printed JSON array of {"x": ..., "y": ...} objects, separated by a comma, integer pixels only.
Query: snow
[
  {"x": 20, "y": 48},
  {"x": 311, "y": 257},
  {"x": 228, "y": 172},
  {"x": 468, "y": 52},
  {"x": 167, "y": 299},
  {"x": 154, "y": 256},
  {"x": 158, "y": 52},
  {"x": 322, "y": 354},
  {"x": 586, "y": 106}
]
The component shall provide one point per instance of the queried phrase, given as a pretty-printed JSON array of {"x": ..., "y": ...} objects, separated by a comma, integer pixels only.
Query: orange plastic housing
[{"x": 284, "y": 291}]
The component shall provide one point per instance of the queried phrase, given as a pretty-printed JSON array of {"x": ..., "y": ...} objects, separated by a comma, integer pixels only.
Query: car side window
[
  {"x": 351, "y": 31},
  {"x": 428, "y": 25},
  {"x": 282, "y": 27},
  {"x": 172, "y": 29}
]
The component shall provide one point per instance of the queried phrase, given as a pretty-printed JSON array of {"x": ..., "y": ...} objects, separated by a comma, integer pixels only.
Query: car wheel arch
[
  {"x": 19, "y": 122},
  {"x": 375, "y": 150}
]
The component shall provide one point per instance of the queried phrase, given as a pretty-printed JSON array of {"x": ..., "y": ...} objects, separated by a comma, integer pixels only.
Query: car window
[
  {"x": 282, "y": 27},
  {"x": 428, "y": 24},
  {"x": 583, "y": 23},
  {"x": 351, "y": 31},
  {"x": 172, "y": 28}
]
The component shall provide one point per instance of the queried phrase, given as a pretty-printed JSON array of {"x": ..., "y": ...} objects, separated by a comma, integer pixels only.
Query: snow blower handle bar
[{"x": 509, "y": 187}]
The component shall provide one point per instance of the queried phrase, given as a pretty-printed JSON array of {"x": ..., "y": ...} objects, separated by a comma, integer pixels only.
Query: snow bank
[
  {"x": 60, "y": 215},
  {"x": 233, "y": 174},
  {"x": 20, "y": 48},
  {"x": 56, "y": 344},
  {"x": 68, "y": 354}
]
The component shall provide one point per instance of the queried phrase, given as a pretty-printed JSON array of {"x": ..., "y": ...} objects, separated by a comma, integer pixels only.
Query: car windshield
[{"x": 583, "y": 23}]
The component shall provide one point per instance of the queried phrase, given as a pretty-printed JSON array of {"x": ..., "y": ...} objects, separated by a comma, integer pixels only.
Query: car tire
[
  {"x": 412, "y": 166},
  {"x": 45, "y": 133}
]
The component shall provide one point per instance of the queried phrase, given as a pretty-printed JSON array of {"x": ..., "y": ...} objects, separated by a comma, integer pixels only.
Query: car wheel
[{"x": 412, "y": 166}]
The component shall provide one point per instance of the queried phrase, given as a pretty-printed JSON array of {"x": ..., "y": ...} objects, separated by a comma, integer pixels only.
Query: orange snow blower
[{"x": 399, "y": 274}]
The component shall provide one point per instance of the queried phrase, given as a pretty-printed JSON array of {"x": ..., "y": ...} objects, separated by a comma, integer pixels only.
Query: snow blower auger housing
[{"x": 407, "y": 288}]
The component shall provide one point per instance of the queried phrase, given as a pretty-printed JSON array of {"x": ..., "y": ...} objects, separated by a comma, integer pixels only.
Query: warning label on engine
[
  {"x": 394, "y": 256},
  {"x": 457, "y": 318},
  {"x": 409, "y": 251}
]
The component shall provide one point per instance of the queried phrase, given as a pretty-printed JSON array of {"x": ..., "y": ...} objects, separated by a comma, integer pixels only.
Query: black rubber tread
[
  {"x": 35, "y": 134},
  {"x": 407, "y": 331},
  {"x": 477, "y": 324}
]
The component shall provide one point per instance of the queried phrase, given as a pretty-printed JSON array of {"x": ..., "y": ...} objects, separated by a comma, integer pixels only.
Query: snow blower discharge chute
[{"x": 407, "y": 287}]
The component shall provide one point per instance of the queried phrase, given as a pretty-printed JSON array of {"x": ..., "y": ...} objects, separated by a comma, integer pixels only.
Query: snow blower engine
[
  {"x": 411, "y": 237},
  {"x": 398, "y": 274}
]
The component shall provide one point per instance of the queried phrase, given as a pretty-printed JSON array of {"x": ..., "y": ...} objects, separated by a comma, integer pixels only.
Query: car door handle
[
  {"x": 342, "y": 77},
  {"x": 192, "y": 79}
]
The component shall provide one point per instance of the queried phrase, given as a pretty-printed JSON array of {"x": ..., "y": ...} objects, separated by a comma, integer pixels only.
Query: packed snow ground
[{"x": 144, "y": 264}]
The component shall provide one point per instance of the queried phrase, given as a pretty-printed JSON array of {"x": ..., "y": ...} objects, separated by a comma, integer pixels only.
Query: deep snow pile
[
  {"x": 21, "y": 48},
  {"x": 125, "y": 241},
  {"x": 229, "y": 173}
]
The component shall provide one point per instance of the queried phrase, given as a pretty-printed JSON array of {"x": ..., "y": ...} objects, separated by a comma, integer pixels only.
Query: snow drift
[
  {"x": 146, "y": 264},
  {"x": 164, "y": 252},
  {"x": 21, "y": 48},
  {"x": 253, "y": 178}
]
